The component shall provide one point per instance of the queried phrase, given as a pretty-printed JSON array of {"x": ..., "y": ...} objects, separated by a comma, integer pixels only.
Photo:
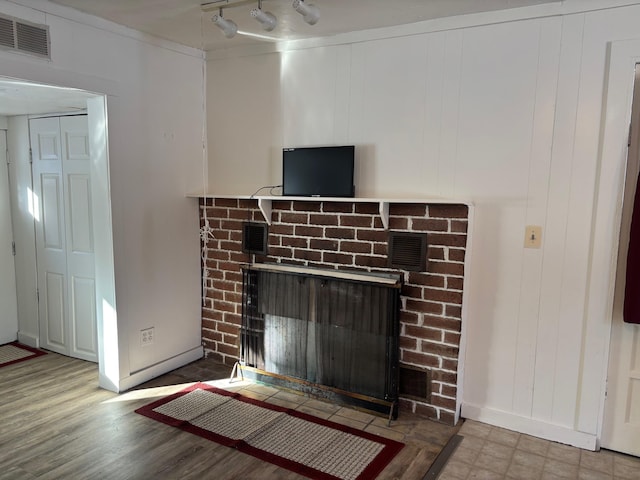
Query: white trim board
[
  {"x": 529, "y": 426},
  {"x": 158, "y": 369}
]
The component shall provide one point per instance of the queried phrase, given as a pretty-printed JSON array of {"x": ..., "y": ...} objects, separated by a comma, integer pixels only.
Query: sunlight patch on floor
[{"x": 163, "y": 391}]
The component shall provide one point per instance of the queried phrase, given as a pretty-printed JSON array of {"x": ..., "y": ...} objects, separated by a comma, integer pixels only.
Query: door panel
[
  {"x": 84, "y": 316},
  {"x": 48, "y": 142},
  {"x": 65, "y": 243},
  {"x": 52, "y": 211},
  {"x": 80, "y": 258},
  {"x": 55, "y": 311},
  {"x": 80, "y": 214},
  {"x": 50, "y": 233}
]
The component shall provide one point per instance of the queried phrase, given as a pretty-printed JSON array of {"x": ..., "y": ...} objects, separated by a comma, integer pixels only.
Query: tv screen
[{"x": 318, "y": 171}]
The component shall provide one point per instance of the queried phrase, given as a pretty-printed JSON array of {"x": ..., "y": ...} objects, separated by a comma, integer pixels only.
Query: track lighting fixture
[
  {"x": 228, "y": 27},
  {"x": 266, "y": 19},
  {"x": 310, "y": 13}
]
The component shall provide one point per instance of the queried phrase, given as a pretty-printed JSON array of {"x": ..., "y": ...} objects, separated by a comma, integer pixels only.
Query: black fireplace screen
[{"x": 335, "y": 332}]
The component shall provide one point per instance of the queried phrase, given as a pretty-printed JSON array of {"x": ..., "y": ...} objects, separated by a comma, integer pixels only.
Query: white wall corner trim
[
  {"x": 529, "y": 426},
  {"x": 465, "y": 313},
  {"x": 161, "y": 368}
]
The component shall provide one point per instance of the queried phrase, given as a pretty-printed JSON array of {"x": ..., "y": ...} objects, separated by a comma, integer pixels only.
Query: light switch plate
[{"x": 533, "y": 236}]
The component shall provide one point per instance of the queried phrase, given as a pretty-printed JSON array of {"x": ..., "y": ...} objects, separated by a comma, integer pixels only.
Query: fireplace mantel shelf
[{"x": 265, "y": 202}]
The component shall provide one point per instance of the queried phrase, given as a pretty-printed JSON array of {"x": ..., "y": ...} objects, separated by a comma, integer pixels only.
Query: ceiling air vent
[
  {"x": 408, "y": 251},
  {"x": 21, "y": 36},
  {"x": 7, "y": 36}
]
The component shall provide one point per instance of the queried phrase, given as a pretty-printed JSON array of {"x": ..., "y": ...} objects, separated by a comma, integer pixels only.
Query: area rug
[
  {"x": 304, "y": 444},
  {"x": 15, "y": 352}
]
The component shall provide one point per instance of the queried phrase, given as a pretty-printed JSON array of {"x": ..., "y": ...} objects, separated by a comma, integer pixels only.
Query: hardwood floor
[{"x": 57, "y": 424}]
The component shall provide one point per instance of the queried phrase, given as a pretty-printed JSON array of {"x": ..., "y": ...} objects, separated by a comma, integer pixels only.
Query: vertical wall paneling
[
  {"x": 550, "y": 347},
  {"x": 342, "y": 96},
  {"x": 393, "y": 114},
  {"x": 357, "y": 134},
  {"x": 449, "y": 135},
  {"x": 496, "y": 121},
  {"x": 535, "y": 214},
  {"x": 433, "y": 110},
  {"x": 245, "y": 91},
  {"x": 315, "y": 96},
  {"x": 572, "y": 328}
]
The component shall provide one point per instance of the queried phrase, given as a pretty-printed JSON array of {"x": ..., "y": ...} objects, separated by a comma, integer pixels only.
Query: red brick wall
[{"x": 349, "y": 236}]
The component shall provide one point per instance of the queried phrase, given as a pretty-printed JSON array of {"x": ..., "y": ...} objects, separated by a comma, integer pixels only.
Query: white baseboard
[
  {"x": 29, "y": 340},
  {"x": 156, "y": 370},
  {"x": 530, "y": 426}
]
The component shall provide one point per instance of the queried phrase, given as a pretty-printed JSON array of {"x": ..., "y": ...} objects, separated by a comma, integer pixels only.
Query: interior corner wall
[
  {"x": 23, "y": 231},
  {"x": 506, "y": 114},
  {"x": 155, "y": 95}
]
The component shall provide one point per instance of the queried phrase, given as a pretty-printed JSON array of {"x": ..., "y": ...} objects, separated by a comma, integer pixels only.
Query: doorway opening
[{"x": 93, "y": 297}]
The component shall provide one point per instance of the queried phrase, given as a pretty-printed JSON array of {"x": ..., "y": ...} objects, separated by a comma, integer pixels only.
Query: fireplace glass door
[{"x": 334, "y": 332}]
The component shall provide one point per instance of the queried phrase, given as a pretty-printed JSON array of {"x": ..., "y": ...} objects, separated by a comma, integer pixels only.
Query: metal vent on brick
[
  {"x": 25, "y": 37},
  {"x": 408, "y": 251},
  {"x": 254, "y": 238},
  {"x": 415, "y": 383}
]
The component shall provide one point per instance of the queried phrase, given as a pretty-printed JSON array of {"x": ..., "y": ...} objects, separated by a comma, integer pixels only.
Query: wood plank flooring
[{"x": 56, "y": 423}]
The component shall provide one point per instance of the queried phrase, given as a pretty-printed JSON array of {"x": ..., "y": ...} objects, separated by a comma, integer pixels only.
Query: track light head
[
  {"x": 228, "y": 27},
  {"x": 310, "y": 13},
  {"x": 266, "y": 19}
]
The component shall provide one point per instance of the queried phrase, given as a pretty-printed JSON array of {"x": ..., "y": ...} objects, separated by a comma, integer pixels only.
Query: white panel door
[
  {"x": 79, "y": 234},
  {"x": 621, "y": 426},
  {"x": 8, "y": 298},
  {"x": 50, "y": 233},
  {"x": 64, "y": 236}
]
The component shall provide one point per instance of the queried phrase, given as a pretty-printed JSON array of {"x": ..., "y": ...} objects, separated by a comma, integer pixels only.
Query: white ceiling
[
  {"x": 188, "y": 23},
  {"x": 22, "y": 98}
]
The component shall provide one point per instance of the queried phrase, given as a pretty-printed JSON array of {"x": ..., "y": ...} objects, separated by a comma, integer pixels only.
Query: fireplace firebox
[{"x": 329, "y": 333}]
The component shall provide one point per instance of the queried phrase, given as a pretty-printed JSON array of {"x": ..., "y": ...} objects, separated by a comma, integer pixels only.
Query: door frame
[
  {"x": 109, "y": 362},
  {"x": 623, "y": 57}
]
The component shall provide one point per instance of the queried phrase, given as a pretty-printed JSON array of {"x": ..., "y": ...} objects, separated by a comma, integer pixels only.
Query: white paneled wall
[{"x": 507, "y": 115}]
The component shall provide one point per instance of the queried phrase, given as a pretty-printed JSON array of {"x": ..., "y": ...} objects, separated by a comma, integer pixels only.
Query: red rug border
[
  {"x": 35, "y": 351},
  {"x": 390, "y": 447}
]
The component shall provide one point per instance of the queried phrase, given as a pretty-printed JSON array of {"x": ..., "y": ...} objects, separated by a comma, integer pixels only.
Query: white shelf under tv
[{"x": 265, "y": 202}]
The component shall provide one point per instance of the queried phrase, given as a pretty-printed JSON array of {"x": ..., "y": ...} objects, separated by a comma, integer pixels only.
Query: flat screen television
[{"x": 318, "y": 171}]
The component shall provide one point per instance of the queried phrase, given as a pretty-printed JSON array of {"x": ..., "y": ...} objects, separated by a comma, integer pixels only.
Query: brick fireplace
[{"x": 349, "y": 235}]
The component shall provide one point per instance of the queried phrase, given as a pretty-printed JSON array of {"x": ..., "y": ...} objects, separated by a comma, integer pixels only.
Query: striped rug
[
  {"x": 307, "y": 445},
  {"x": 15, "y": 352}
]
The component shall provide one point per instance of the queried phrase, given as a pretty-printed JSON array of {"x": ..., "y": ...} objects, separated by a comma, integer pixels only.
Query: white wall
[
  {"x": 155, "y": 100},
  {"x": 8, "y": 303},
  {"x": 507, "y": 114},
  {"x": 24, "y": 232}
]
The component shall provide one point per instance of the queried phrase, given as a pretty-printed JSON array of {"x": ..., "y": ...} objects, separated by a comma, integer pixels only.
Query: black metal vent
[
  {"x": 24, "y": 36},
  {"x": 254, "y": 238},
  {"x": 415, "y": 383},
  {"x": 408, "y": 251},
  {"x": 7, "y": 35}
]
